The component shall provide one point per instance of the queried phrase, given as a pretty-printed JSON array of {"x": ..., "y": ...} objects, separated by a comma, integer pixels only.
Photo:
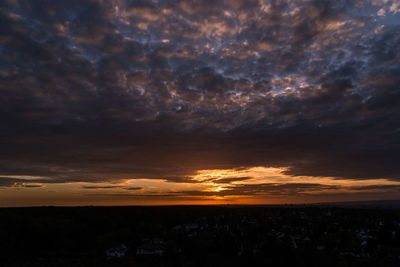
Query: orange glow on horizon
[{"x": 257, "y": 185}]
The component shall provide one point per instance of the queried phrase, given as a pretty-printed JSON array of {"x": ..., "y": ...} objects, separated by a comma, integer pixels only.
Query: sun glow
[
  {"x": 256, "y": 185},
  {"x": 259, "y": 175}
]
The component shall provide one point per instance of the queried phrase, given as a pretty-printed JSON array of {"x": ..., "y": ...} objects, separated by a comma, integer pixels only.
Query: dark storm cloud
[
  {"x": 101, "y": 91},
  {"x": 8, "y": 182},
  {"x": 111, "y": 187},
  {"x": 133, "y": 188},
  {"x": 230, "y": 180},
  {"x": 265, "y": 189},
  {"x": 386, "y": 188},
  {"x": 100, "y": 187},
  {"x": 260, "y": 190},
  {"x": 270, "y": 189},
  {"x": 17, "y": 182},
  {"x": 31, "y": 185}
]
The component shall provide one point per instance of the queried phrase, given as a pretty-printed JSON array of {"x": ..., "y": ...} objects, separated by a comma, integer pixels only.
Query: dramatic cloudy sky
[{"x": 175, "y": 102}]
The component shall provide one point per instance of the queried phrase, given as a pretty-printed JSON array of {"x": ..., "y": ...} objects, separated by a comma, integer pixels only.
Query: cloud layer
[{"x": 103, "y": 91}]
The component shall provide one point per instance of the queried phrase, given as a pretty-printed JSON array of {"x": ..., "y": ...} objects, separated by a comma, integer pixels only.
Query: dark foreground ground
[{"x": 200, "y": 236}]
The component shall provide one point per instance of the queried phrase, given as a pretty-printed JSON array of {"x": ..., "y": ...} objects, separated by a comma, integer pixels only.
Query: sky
[{"x": 164, "y": 102}]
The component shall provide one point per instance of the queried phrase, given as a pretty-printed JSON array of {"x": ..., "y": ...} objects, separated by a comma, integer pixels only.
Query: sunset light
[
  {"x": 125, "y": 103},
  {"x": 200, "y": 133}
]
